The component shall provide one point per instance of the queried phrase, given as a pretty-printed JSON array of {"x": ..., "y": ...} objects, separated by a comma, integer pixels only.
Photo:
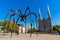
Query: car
[{"x": 54, "y": 33}]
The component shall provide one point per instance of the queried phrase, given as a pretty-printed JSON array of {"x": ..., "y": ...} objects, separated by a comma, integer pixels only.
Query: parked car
[{"x": 54, "y": 33}]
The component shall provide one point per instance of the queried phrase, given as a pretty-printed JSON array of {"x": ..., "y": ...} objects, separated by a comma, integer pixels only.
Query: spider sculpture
[
  {"x": 22, "y": 17},
  {"x": 25, "y": 16},
  {"x": 9, "y": 19}
]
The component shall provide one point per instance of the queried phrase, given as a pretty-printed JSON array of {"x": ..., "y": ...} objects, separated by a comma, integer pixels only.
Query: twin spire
[
  {"x": 39, "y": 13},
  {"x": 48, "y": 11}
]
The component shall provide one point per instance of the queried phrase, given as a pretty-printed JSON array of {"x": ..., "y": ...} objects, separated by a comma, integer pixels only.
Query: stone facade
[{"x": 44, "y": 25}]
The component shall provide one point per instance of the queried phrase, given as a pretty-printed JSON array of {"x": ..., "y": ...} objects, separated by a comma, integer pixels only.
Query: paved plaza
[{"x": 27, "y": 37}]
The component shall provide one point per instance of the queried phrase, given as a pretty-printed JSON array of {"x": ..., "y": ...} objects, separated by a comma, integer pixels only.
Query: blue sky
[{"x": 6, "y": 5}]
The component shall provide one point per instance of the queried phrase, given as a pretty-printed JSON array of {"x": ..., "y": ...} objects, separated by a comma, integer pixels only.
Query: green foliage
[
  {"x": 33, "y": 30},
  {"x": 56, "y": 28},
  {"x": 8, "y": 25},
  {"x": 1, "y": 23}
]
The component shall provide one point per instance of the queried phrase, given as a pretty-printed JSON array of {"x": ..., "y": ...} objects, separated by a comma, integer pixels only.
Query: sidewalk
[{"x": 33, "y": 37}]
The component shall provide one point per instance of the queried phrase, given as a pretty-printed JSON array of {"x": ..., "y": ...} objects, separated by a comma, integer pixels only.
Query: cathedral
[{"x": 44, "y": 25}]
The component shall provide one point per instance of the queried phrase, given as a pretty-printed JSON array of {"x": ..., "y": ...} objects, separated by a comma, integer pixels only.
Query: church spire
[
  {"x": 49, "y": 16},
  {"x": 39, "y": 14}
]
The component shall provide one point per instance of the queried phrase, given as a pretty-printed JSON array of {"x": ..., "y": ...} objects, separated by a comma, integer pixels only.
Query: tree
[
  {"x": 56, "y": 28},
  {"x": 33, "y": 30},
  {"x": 8, "y": 26}
]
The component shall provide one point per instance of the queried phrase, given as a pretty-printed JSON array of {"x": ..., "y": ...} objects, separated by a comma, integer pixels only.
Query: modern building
[
  {"x": 44, "y": 25},
  {"x": 21, "y": 28}
]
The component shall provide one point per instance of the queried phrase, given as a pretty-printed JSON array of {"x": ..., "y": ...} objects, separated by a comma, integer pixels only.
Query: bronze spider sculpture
[
  {"x": 22, "y": 17},
  {"x": 9, "y": 19},
  {"x": 25, "y": 16}
]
